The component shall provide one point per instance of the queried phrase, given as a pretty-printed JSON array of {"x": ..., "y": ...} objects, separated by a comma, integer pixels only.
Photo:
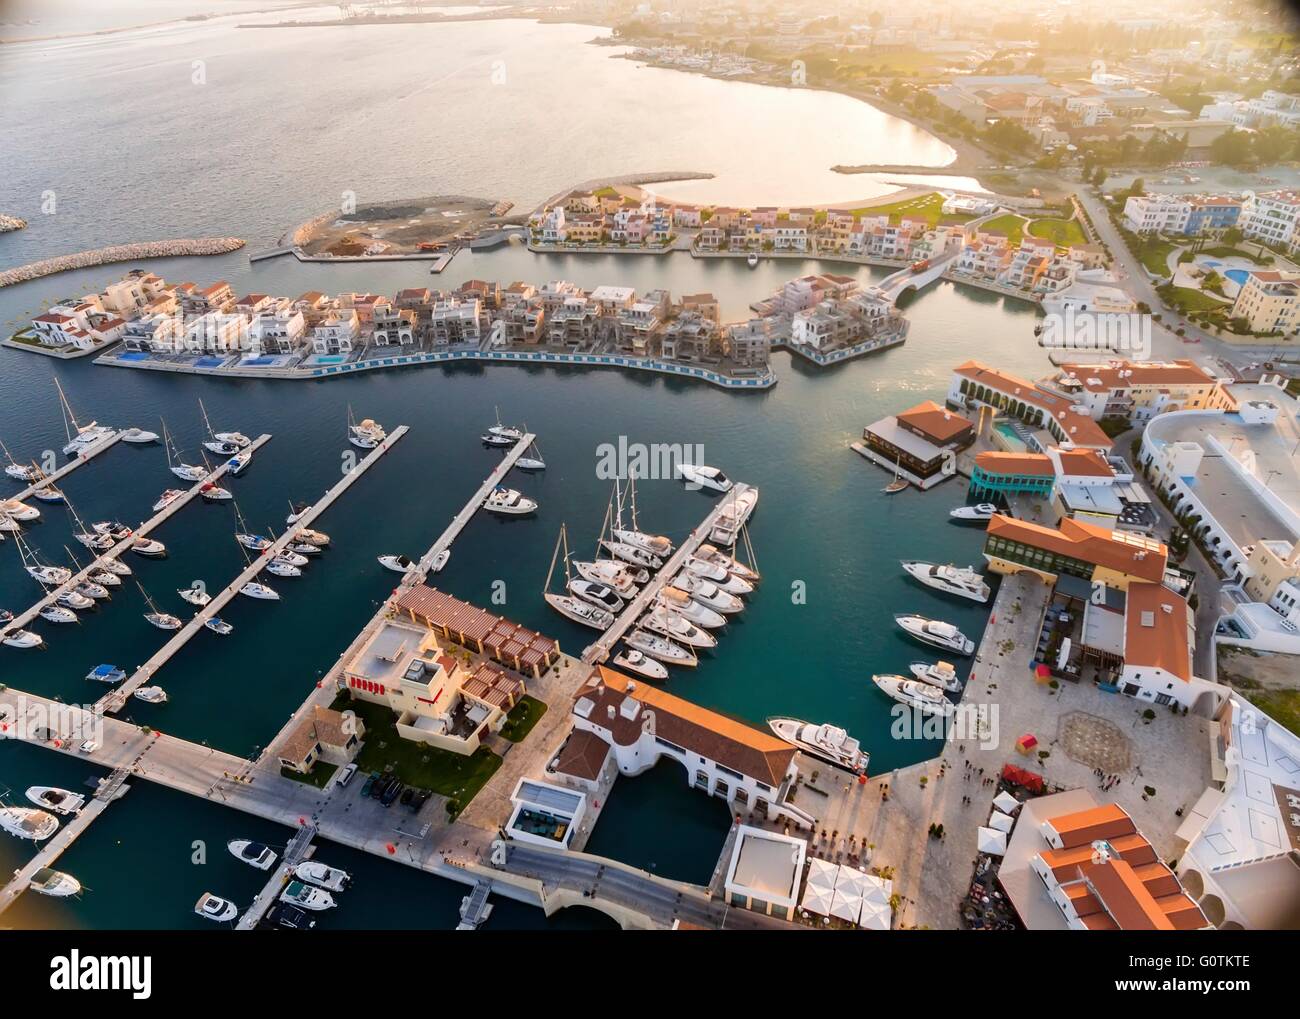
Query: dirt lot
[
  {"x": 1271, "y": 682},
  {"x": 401, "y": 228}
]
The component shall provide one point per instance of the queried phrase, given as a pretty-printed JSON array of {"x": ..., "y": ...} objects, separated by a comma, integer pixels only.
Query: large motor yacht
[
  {"x": 827, "y": 742},
  {"x": 959, "y": 580}
]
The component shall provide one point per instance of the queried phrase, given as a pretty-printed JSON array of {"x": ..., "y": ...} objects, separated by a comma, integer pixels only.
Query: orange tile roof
[
  {"x": 993, "y": 462},
  {"x": 1129, "y": 554},
  {"x": 1085, "y": 463},
  {"x": 1125, "y": 897},
  {"x": 1156, "y": 629},
  {"x": 1125, "y": 374},
  {"x": 938, "y": 423},
  {"x": 1086, "y": 826},
  {"x": 1076, "y": 425}
]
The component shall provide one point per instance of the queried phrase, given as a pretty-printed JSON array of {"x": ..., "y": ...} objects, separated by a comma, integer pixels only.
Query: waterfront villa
[
  {"x": 1033, "y": 405},
  {"x": 323, "y": 735},
  {"x": 1137, "y": 391},
  {"x": 920, "y": 444}
]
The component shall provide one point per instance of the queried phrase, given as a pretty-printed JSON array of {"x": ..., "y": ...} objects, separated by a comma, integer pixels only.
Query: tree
[{"x": 1232, "y": 148}]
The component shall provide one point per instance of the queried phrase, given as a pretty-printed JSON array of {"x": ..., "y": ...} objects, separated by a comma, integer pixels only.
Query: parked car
[
  {"x": 420, "y": 798},
  {"x": 345, "y": 776},
  {"x": 408, "y": 794},
  {"x": 371, "y": 781},
  {"x": 394, "y": 790}
]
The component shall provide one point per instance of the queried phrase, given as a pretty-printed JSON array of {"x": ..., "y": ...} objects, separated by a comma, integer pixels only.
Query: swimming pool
[
  {"x": 1238, "y": 276},
  {"x": 1014, "y": 442}
]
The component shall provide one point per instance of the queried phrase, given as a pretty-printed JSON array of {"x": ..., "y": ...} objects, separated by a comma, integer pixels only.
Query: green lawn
[
  {"x": 1153, "y": 252},
  {"x": 1223, "y": 251},
  {"x": 1061, "y": 232},
  {"x": 1281, "y": 705},
  {"x": 1189, "y": 301},
  {"x": 927, "y": 207},
  {"x": 1008, "y": 224},
  {"x": 523, "y": 716},
  {"x": 318, "y": 776},
  {"x": 452, "y": 775}
]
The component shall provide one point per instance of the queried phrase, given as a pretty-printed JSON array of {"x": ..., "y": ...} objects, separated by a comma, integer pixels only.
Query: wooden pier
[
  {"x": 598, "y": 652},
  {"x": 300, "y": 848},
  {"x": 97, "y": 558},
  {"x": 110, "y": 789},
  {"x": 106, "y": 443},
  {"x": 116, "y": 699}
]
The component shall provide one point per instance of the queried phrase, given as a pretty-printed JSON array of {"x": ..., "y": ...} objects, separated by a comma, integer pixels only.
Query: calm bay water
[{"x": 822, "y": 525}]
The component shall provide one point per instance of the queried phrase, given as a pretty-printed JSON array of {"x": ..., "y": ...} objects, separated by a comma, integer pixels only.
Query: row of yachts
[{"x": 312, "y": 885}]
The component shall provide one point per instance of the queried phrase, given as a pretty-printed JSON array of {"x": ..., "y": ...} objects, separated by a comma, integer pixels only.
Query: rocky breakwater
[
  {"x": 120, "y": 253},
  {"x": 8, "y": 223}
]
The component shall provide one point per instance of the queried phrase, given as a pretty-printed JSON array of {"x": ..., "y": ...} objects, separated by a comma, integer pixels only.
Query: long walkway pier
[
  {"x": 114, "y": 700},
  {"x": 97, "y": 560},
  {"x": 110, "y": 788},
  {"x": 599, "y": 651},
  {"x": 300, "y": 848},
  {"x": 106, "y": 443}
]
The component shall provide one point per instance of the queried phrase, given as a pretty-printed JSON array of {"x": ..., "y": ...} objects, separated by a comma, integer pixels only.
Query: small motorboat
[
  {"x": 508, "y": 502},
  {"x": 215, "y": 493},
  {"x": 310, "y": 537},
  {"x": 305, "y": 896},
  {"x": 707, "y": 593},
  {"x": 18, "y": 510},
  {"x": 26, "y": 473},
  {"x": 151, "y": 695},
  {"x": 75, "y": 601},
  {"x": 254, "y": 541},
  {"x": 277, "y": 567},
  {"x": 397, "y": 563},
  {"x": 22, "y": 639},
  {"x": 219, "y": 626},
  {"x": 692, "y": 611},
  {"x": 237, "y": 439},
  {"x": 61, "y": 801},
  {"x": 641, "y": 664},
  {"x": 214, "y": 907},
  {"x": 583, "y": 612},
  {"x": 114, "y": 566},
  {"x": 149, "y": 547},
  {"x": 260, "y": 591},
  {"x": 322, "y": 876},
  {"x": 597, "y": 594},
  {"x": 702, "y": 476},
  {"x": 163, "y": 620},
  {"x": 921, "y": 696},
  {"x": 28, "y": 823},
  {"x": 188, "y": 472},
  {"x": 50, "y": 576},
  {"x": 661, "y": 648},
  {"x": 440, "y": 560},
  {"x": 54, "y": 883},
  {"x": 632, "y": 554},
  {"x": 940, "y": 674},
  {"x": 105, "y": 578},
  {"x": 981, "y": 512},
  {"x": 654, "y": 544},
  {"x": 668, "y": 623},
  {"x": 106, "y": 674},
  {"x": 252, "y": 853},
  {"x": 302, "y": 548},
  {"x": 751, "y": 259},
  {"x": 711, "y": 571},
  {"x": 90, "y": 589},
  {"x": 291, "y": 557},
  {"x": 139, "y": 436},
  {"x": 57, "y": 614},
  {"x": 195, "y": 595},
  {"x": 239, "y": 461},
  {"x": 167, "y": 498}
]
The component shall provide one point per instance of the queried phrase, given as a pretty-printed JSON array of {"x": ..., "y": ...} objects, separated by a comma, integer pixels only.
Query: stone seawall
[{"x": 120, "y": 253}]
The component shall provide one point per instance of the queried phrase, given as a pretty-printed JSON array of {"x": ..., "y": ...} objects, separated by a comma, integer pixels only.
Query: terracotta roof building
[
  {"x": 514, "y": 646},
  {"x": 1076, "y": 548}
]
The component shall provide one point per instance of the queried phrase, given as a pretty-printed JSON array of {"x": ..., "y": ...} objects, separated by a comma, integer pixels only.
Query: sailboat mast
[{"x": 554, "y": 555}]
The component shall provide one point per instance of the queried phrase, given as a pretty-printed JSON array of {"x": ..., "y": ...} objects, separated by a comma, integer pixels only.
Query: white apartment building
[
  {"x": 1272, "y": 218},
  {"x": 1144, "y": 214},
  {"x": 1269, "y": 302},
  {"x": 280, "y": 330}
]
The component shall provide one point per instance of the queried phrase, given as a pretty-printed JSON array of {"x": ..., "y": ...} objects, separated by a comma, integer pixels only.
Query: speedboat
[
  {"x": 22, "y": 639},
  {"x": 149, "y": 547},
  {"x": 703, "y": 476},
  {"x": 655, "y": 545},
  {"x": 23, "y": 472},
  {"x": 983, "y": 511},
  {"x": 75, "y": 601},
  {"x": 620, "y": 577},
  {"x": 163, "y": 620},
  {"x": 597, "y": 594},
  {"x": 151, "y": 695},
  {"x": 711, "y": 571},
  {"x": 632, "y": 554},
  {"x": 940, "y": 674},
  {"x": 239, "y": 461},
  {"x": 290, "y": 557},
  {"x": 61, "y": 801},
  {"x": 19, "y": 510},
  {"x": 692, "y": 611},
  {"x": 114, "y": 529},
  {"x": 139, "y": 436},
  {"x": 751, "y": 259},
  {"x": 57, "y": 614},
  {"x": 252, "y": 853},
  {"x": 215, "y": 493},
  {"x": 48, "y": 493},
  {"x": 254, "y": 541},
  {"x": 106, "y": 674},
  {"x": 921, "y": 696},
  {"x": 188, "y": 472},
  {"x": 707, "y": 593},
  {"x": 828, "y": 742},
  {"x": 397, "y": 563},
  {"x": 961, "y": 581},
  {"x": 255, "y": 590},
  {"x": 310, "y": 537},
  {"x": 735, "y": 512},
  {"x": 220, "y": 447},
  {"x": 580, "y": 611},
  {"x": 92, "y": 590},
  {"x": 936, "y": 632},
  {"x": 322, "y": 875},
  {"x": 28, "y": 823},
  {"x": 194, "y": 595},
  {"x": 167, "y": 498},
  {"x": 509, "y": 502},
  {"x": 219, "y": 626},
  {"x": 641, "y": 664},
  {"x": 49, "y": 575},
  {"x": 664, "y": 621},
  {"x": 277, "y": 567},
  {"x": 302, "y": 548},
  {"x": 367, "y": 435},
  {"x": 105, "y": 578},
  {"x": 297, "y": 510},
  {"x": 54, "y": 883},
  {"x": 661, "y": 648},
  {"x": 214, "y": 907},
  {"x": 305, "y": 896},
  {"x": 440, "y": 560}
]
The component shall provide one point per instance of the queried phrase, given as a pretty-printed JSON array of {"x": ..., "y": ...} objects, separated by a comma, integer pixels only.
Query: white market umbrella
[
  {"x": 992, "y": 841},
  {"x": 822, "y": 874},
  {"x": 877, "y": 914},
  {"x": 1006, "y": 803},
  {"x": 1001, "y": 822},
  {"x": 847, "y": 905},
  {"x": 817, "y": 900}
]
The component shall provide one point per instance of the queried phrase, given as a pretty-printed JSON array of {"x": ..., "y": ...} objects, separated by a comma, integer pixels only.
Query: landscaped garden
[
  {"x": 1064, "y": 233},
  {"x": 523, "y": 716},
  {"x": 1009, "y": 225}
]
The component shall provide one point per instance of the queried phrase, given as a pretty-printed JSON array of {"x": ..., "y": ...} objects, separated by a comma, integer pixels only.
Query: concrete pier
[
  {"x": 114, "y": 701},
  {"x": 300, "y": 848},
  {"x": 108, "y": 442}
]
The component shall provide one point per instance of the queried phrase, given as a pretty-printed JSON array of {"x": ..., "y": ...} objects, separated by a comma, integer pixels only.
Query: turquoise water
[
  {"x": 1009, "y": 433},
  {"x": 1238, "y": 276}
]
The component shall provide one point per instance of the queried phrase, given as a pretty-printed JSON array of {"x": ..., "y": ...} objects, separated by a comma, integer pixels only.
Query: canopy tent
[
  {"x": 1001, "y": 822},
  {"x": 817, "y": 900},
  {"x": 850, "y": 893},
  {"x": 819, "y": 892},
  {"x": 1006, "y": 803},
  {"x": 990, "y": 840},
  {"x": 877, "y": 914}
]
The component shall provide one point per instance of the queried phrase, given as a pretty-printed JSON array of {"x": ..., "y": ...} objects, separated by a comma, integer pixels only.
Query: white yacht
[
  {"x": 214, "y": 907},
  {"x": 106, "y": 674},
  {"x": 194, "y": 595},
  {"x": 580, "y": 611},
  {"x": 231, "y": 442},
  {"x": 596, "y": 593},
  {"x": 397, "y": 563},
  {"x": 277, "y": 567},
  {"x": 302, "y": 548},
  {"x": 115, "y": 529},
  {"x": 23, "y": 639},
  {"x": 91, "y": 589},
  {"x": 115, "y": 567},
  {"x": 704, "y": 477},
  {"x": 255, "y": 590},
  {"x": 215, "y": 493},
  {"x": 97, "y": 542},
  {"x": 309, "y": 537},
  {"x": 503, "y": 439},
  {"x": 86, "y": 437},
  {"x": 26, "y": 473},
  {"x": 689, "y": 609},
  {"x": 220, "y": 447},
  {"x": 661, "y": 648},
  {"x": 15, "y": 509},
  {"x": 322, "y": 876},
  {"x": 54, "y": 883},
  {"x": 936, "y": 632},
  {"x": 149, "y": 547},
  {"x": 959, "y": 580},
  {"x": 641, "y": 664},
  {"x": 982, "y": 511},
  {"x": 366, "y": 435},
  {"x": 28, "y": 823},
  {"x": 921, "y": 696},
  {"x": 51, "y": 576},
  {"x": 710, "y": 571},
  {"x": 632, "y": 554},
  {"x": 668, "y": 623},
  {"x": 291, "y": 557},
  {"x": 236, "y": 439},
  {"x": 254, "y": 541},
  {"x": 239, "y": 461},
  {"x": 105, "y": 578},
  {"x": 219, "y": 626},
  {"x": 252, "y": 853},
  {"x": 440, "y": 560},
  {"x": 827, "y": 742},
  {"x": 654, "y": 544},
  {"x": 74, "y": 600},
  {"x": 940, "y": 674},
  {"x": 508, "y": 502},
  {"x": 305, "y": 896},
  {"x": 61, "y": 801},
  {"x": 139, "y": 436},
  {"x": 163, "y": 620},
  {"x": 735, "y": 512},
  {"x": 611, "y": 573},
  {"x": 531, "y": 463},
  {"x": 707, "y": 593},
  {"x": 167, "y": 498},
  {"x": 57, "y": 614},
  {"x": 297, "y": 510}
]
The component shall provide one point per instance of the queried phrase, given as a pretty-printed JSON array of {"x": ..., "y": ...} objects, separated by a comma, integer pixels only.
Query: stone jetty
[
  {"x": 8, "y": 223},
  {"x": 120, "y": 253}
]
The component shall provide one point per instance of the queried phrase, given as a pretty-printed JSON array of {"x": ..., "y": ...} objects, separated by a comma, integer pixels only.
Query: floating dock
[
  {"x": 106, "y": 443},
  {"x": 300, "y": 848},
  {"x": 114, "y": 700},
  {"x": 599, "y": 651}
]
